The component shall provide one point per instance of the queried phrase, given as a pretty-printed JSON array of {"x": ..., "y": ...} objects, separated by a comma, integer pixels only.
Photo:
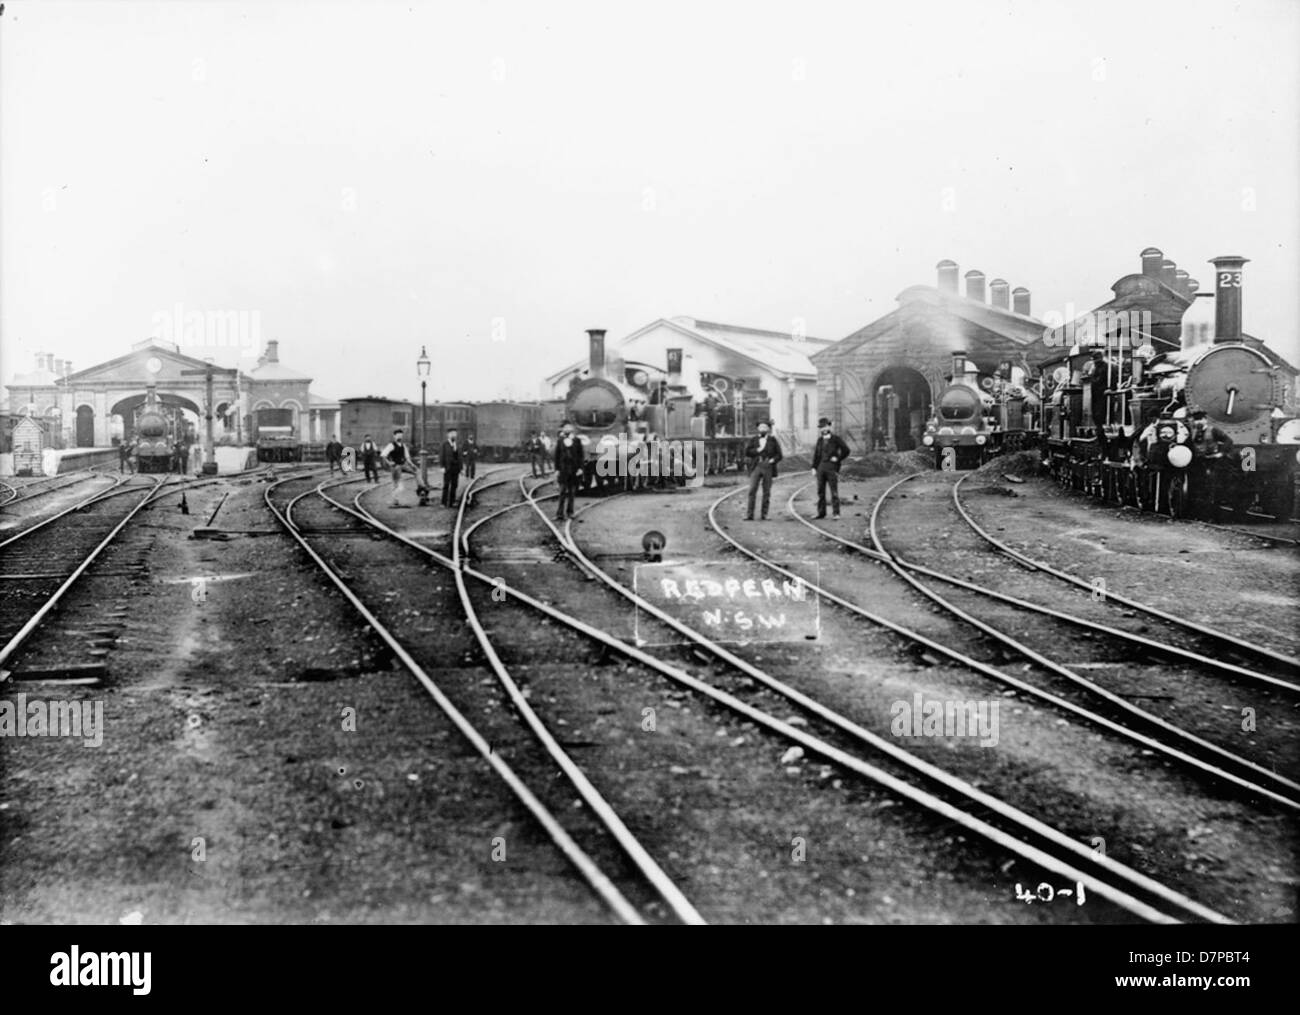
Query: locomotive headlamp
[
  {"x": 928, "y": 439},
  {"x": 1289, "y": 432},
  {"x": 980, "y": 438},
  {"x": 1180, "y": 456}
]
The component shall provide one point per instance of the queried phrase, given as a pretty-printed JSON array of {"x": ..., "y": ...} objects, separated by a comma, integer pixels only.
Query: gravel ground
[{"x": 230, "y": 786}]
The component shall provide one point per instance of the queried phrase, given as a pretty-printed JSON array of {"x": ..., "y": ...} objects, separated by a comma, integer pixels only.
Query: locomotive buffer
[{"x": 210, "y": 451}]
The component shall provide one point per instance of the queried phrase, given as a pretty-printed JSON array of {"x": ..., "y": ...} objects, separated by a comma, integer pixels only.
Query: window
[
  {"x": 399, "y": 418},
  {"x": 806, "y": 417}
]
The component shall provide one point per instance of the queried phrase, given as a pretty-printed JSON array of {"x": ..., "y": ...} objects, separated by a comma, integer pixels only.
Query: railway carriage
[{"x": 275, "y": 434}]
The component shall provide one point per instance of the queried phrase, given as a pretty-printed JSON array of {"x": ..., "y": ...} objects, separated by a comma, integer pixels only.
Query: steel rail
[
  {"x": 993, "y": 673},
  {"x": 586, "y": 867},
  {"x": 35, "y": 620},
  {"x": 1113, "y": 597},
  {"x": 1065, "y": 672},
  {"x": 1142, "y": 641},
  {"x": 860, "y": 767}
]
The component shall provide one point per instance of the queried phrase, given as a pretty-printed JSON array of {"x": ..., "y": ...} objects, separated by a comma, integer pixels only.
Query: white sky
[{"x": 369, "y": 177}]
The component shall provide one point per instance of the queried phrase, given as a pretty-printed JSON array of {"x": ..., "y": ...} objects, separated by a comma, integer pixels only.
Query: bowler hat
[{"x": 823, "y": 422}]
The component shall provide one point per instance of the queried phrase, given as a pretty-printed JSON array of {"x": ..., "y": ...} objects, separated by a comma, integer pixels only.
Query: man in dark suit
[
  {"x": 450, "y": 469},
  {"x": 762, "y": 454},
  {"x": 334, "y": 454},
  {"x": 537, "y": 454},
  {"x": 469, "y": 455},
  {"x": 828, "y": 456},
  {"x": 569, "y": 460}
]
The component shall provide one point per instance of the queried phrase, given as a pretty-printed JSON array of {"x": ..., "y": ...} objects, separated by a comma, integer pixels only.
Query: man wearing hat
[
  {"x": 762, "y": 452},
  {"x": 569, "y": 460},
  {"x": 828, "y": 456}
]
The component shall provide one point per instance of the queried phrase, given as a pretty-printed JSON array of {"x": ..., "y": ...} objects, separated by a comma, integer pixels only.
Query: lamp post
[{"x": 422, "y": 367}]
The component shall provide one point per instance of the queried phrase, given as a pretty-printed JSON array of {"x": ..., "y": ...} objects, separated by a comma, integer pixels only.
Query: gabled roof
[
  {"x": 165, "y": 351},
  {"x": 777, "y": 351},
  {"x": 277, "y": 372},
  {"x": 1004, "y": 330}
]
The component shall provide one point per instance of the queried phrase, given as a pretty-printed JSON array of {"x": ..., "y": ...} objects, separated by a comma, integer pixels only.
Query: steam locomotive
[
  {"x": 978, "y": 416},
  {"x": 1179, "y": 431},
  {"x": 640, "y": 424},
  {"x": 153, "y": 432}
]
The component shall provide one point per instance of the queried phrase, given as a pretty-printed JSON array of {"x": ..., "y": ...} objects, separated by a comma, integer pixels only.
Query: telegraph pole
[{"x": 210, "y": 452}]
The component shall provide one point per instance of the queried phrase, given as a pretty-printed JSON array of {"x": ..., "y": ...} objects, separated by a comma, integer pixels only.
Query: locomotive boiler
[{"x": 1184, "y": 432}]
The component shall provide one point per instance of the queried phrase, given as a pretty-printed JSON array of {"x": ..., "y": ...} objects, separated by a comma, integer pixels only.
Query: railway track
[
  {"x": 1178, "y": 744},
  {"x": 52, "y": 559},
  {"x": 488, "y": 743},
  {"x": 1238, "y": 646},
  {"x": 1002, "y": 825}
]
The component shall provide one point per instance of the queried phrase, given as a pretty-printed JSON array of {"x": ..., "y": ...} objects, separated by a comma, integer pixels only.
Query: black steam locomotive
[
  {"x": 643, "y": 425},
  {"x": 1180, "y": 431},
  {"x": 981, "y": 415}
]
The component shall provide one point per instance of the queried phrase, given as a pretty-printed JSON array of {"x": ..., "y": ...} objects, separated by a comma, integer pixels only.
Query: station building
[{"x": 90, "y": 408}]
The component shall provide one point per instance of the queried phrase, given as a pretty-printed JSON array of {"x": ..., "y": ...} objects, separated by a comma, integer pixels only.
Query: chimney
[
  {"x": 1168, "y": 271},
  {"x": 1192, "y": 286},
  {"x": 67, "y": 366},
  {"x": 1227, "y": 298},
  {"x": 273, "y": 350},
  {"x": 596, "y": 337},
  {"x": 975, "y": 285},
  {"x": 1151, "y": 261},
  {"x": 958, "y": 365},
  {"x": 1180, "y": 281},
  {"x": 674, "y": 367},
  {"x": 1000, "y": 293},
  {"x": 1020, "y": 300},
  {"x": 58, "y": 367},
  {"x": 947, "y": 276}
]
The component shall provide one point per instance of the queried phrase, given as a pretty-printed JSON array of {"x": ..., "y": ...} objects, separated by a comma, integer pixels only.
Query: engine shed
[{"x": 878, "y": 385}]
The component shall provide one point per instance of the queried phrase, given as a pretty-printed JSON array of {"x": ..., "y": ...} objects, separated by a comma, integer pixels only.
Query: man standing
[
  {"x": 370, "y": 459},
  {"x": 762, "y": 453},
  {"x": 124, "y": 457},
  {"x": 828, "y": 456},
  {"x": 469, "y": 455},
  {"x": 398, "y": 457},
  {"x": 450, "y": 469},
  {"x": 569, "y": 460},
  {"x": 334, "y": 454},
  {"x": 537, "y": 454}
]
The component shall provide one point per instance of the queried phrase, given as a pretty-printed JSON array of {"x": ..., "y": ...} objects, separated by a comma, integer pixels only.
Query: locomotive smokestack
[
  {"x": 947, "y": 276},
  {"x": 1227, "y": 298},
  {"x": 958, "y": 365},
  {"x": 975, "y": 285},
  {"x": 597, "y": 361},
  {"x": 1000, "y": 293},
  {"x": 1020, "y": 300},
  {"x": 1152, "y": 259}
]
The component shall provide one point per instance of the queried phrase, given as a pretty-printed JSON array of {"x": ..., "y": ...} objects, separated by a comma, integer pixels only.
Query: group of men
[
  {"x": 762, "y": 456},
  {"x": 398, "y": 457},
  {"x": 127, "y": 457},
  {"x": 763, "y": 453}
]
